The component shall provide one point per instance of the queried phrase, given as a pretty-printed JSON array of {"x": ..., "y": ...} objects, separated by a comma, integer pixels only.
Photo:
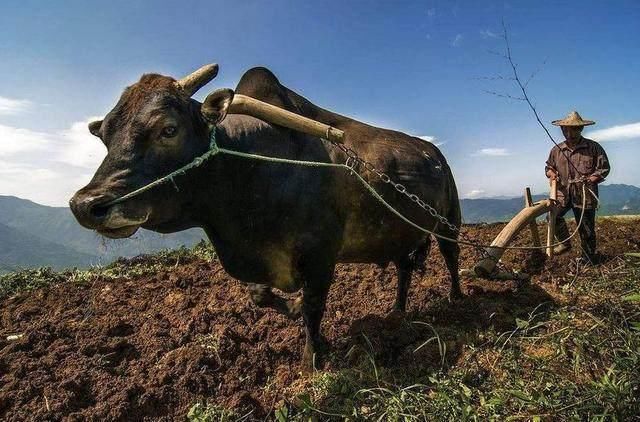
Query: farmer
[{"x": 575, "y": 163}]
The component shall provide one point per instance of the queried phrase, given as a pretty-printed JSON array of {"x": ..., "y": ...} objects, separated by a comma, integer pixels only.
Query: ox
[{"x": 273, "y": 225}]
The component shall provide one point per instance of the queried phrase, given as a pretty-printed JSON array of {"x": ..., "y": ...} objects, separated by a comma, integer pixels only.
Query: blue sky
[{"x": 411, "y": 66}]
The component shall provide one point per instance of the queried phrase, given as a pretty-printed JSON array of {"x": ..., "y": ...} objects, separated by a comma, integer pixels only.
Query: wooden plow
[{"x": 486, "y": 267}]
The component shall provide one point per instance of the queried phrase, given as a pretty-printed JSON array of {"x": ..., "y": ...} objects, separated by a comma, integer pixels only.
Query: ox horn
[{"x": 192, "y": 83}]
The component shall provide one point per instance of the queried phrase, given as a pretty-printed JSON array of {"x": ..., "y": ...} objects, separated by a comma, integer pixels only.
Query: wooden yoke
[
  {"x": 269, "y": 113},
  {"x": 551, "y": 225}
]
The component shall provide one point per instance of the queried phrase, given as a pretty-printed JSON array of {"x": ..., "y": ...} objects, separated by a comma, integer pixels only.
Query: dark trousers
[{"x": 587, "y": 229}]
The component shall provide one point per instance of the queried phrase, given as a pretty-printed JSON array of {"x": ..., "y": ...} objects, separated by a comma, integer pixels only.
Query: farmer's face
[{"x": 572, "y": 133}]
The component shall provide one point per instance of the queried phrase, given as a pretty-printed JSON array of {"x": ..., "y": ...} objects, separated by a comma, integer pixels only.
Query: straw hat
[{"x": 573, "y": 119}]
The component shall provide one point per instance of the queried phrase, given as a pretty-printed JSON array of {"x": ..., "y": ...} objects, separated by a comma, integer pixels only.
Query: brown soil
[{"x": 149, "y": 348}]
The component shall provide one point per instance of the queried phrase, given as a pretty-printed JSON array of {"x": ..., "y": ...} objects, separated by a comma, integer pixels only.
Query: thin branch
[
  {"x": 535, "y": 72},
  {"x": 496, "y": 53},
  {"x": 508, "y": 96},
  {"x": 493, "y": 78},
  {"x": 524, "y": 92},
  {"x": 520, "y": 84}
]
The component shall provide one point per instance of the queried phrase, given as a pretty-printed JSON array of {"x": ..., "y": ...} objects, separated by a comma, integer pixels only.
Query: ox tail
[
  {"x": 455, "y": 212},
  {"x": 452, "y": 213},
  {"x": 418, "y": 257}
]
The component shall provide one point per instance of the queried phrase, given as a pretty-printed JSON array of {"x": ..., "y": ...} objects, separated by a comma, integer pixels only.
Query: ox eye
[{"x": 169, "y": 131}]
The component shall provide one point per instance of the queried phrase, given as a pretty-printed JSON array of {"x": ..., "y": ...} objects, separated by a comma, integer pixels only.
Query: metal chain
[{"x": 353, "y": 160}]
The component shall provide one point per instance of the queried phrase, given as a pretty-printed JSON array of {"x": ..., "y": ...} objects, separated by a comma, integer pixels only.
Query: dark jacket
[{"x": 589, "y": 159}]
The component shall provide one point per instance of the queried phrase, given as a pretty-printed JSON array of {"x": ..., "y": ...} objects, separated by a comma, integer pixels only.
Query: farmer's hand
[
  {"x": 552, "y": 174},
  {"x": 594, "y": 179}
]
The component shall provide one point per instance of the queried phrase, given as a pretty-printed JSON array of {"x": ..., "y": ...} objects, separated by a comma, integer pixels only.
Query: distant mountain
[
  {"x": 20, "y": 250},
  {"x": 614, "y": 200},
  {"x": 619, "y": 199},
  {"x": 35, "y": 235}
]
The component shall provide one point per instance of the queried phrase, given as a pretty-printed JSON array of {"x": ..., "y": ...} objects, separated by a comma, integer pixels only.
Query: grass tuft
[{"x": 123, "y": 268}]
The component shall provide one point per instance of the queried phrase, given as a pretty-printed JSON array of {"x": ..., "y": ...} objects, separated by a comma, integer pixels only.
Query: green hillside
[
  {"x": 21, "y": 250},
  {"x": 614, "y": 200},
  {"x": 33, "y": 231}
]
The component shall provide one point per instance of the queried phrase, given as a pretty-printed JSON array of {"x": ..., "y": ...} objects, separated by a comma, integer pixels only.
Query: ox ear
[
  {"x": 215, "y": 107},
  {"x": 94, "y": 127}
]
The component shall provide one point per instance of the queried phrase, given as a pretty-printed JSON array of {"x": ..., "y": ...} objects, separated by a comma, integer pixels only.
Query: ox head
[{"x": 154, "y": 129}]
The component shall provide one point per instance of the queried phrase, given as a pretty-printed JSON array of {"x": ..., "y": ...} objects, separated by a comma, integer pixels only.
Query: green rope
[{"x": 214, "y": 149}]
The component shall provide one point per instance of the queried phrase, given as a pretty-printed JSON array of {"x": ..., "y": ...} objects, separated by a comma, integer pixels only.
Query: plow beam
[{"x": 486, "y": 266}]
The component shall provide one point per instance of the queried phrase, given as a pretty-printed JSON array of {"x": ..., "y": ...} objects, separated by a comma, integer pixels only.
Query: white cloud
[
  {"x": 80, "y": 147},
  {"x": 47, "y": 167},
  {"x": 487, "y": 33},
  {"x": 74, "y": 146},
  {"x": 493, "y": 152},
  {"x": 617, "y": 133},
  {"x": 11, "y": 106},
  {"x": 431, "y": 139},
  {"x": 25, "y": 171},
  {"x": 475, "y": 193},
  {"x": 457, "y": 40},
  {"x": 20, "y": 141},
  {"x": 41, "y": 184}
]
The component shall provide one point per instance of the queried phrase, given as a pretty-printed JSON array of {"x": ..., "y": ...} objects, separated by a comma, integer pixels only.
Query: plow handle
[{"x": 551, "y": 226}]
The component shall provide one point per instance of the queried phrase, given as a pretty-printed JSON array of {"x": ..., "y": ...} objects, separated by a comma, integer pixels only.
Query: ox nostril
[
  {"x": 90, "y": 210},
  {"x": 98, "y": 211}
]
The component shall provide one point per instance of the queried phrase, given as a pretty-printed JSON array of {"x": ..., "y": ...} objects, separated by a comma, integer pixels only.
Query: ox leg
[
  {"x": 315, "y": 293},
  {"x": 405, "y": 270},
  {"x": 405, "y": 267},
  {"x": 263, "y": 297},
  {"x": 451, "y": 252}
]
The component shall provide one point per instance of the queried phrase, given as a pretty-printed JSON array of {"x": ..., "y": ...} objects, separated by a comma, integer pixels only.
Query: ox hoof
[
  {"x": 308, "y": 365},
  {"x": 311, "y": 362},
  {"x": 294, "y": 308},
  {"x": 398, "y": 307},
  {"x": 396, "y": 314},
  {"x": 455, "y": 296},
  {"x": 313, "y": 357}
]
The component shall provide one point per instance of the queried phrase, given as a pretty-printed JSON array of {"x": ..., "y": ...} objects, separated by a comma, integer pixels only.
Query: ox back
[{"x": 366, "y": 231}]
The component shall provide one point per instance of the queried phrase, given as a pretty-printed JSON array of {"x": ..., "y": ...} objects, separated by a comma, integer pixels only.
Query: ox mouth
[
  {"x": 117, "y": 224},
  {"x": 120, "y": 232}
]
